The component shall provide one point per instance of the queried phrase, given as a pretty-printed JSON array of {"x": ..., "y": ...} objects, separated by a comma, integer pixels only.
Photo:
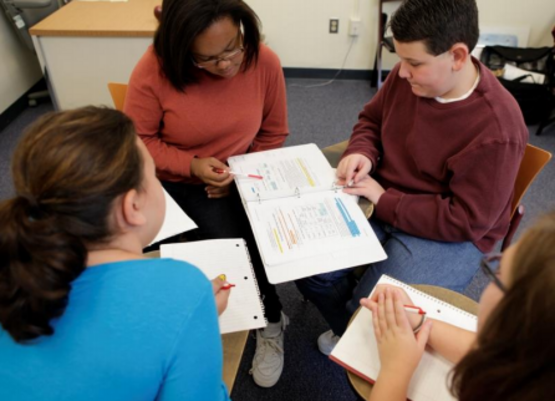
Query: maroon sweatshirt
[{"x": 448, "y": 169}]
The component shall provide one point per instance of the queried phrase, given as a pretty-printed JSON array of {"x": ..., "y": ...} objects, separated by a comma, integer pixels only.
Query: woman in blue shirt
[{"x": 84, "y": 315}]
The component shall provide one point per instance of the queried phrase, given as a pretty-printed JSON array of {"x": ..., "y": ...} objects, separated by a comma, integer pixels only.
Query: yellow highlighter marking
[
  {"x": 277, "y": 240},
  {"x": 305, "y": 171}
]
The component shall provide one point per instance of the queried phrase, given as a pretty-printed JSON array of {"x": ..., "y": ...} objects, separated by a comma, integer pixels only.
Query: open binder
[{"x": 302, "y": 222}]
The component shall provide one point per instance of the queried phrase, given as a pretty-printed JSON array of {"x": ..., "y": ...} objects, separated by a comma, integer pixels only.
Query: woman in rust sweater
[{"x": 206, "y": 90}]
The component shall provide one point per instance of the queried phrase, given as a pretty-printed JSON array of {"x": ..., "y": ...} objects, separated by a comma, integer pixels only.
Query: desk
[
  {"x": 84, "y": 45},
  {"x": 233, "y": 345},
  {"x": 361, "y": 386}
]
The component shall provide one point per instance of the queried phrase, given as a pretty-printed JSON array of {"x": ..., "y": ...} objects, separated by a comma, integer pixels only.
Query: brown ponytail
[{"x": 68, "y": 170}]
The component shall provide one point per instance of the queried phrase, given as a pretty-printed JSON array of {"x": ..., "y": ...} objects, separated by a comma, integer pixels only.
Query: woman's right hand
[
  {"x": 206, "y": 169},
  {"x": 220, "y": 294},
  {"x": 405, "y": 299}
]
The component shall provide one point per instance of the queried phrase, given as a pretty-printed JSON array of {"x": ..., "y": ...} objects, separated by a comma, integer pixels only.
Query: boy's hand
[
  {"x": 353, "y": 168},
  {"x": 367, "y": 187}
]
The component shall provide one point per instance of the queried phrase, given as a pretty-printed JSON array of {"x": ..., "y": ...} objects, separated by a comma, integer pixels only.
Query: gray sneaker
[
  {"x": 327, "y": 342},
  {"x": 267, "y": 364}
]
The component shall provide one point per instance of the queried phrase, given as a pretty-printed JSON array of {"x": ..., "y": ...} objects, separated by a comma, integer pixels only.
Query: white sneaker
[
  {"x": 327, "y": 342},
  {"x": 267, "y": 363}
]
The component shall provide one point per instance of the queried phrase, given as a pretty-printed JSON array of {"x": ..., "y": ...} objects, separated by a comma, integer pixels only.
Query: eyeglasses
[
  {"x": 490, "y": 267},
  {"x": 214, "y": 62}
]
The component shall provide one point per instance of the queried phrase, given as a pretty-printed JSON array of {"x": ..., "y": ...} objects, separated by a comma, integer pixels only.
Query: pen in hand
[
  {"x": 246, "y": 175},
  {"x": 227, "y": 285},
  {"x": 221, "y": 287},
  {"x": 414, "y": 309}
]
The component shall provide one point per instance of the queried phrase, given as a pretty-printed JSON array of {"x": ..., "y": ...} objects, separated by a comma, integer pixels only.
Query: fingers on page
[
  {"x": 389, "y": 309},
  {"x": 381, "y": 313}
]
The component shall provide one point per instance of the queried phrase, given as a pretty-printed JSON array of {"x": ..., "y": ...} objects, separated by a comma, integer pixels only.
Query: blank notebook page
[
  {"x": 230, "y": 257},
  {"x": 357, "y": 350}
]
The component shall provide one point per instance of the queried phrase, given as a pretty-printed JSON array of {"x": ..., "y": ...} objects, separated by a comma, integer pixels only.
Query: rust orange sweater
[
  {"x": 215, "y": 117},
  {"x": 448, "y": 169}
]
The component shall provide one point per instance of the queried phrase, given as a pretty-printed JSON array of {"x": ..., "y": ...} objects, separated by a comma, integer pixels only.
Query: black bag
[{"x": 536, "y": 100}]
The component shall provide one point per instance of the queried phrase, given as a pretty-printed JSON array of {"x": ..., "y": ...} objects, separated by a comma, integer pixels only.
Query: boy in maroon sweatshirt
[{"x": 436, "y": 150}]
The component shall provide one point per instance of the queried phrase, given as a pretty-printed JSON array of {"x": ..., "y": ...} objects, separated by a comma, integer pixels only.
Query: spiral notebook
[
  {"x": 245, "y": 310},
  {"x": 357, "y": 350},
  {"x": 302, "y": 222}
]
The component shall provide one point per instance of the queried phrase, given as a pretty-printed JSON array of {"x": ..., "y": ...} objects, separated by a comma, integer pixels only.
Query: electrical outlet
[
  {"x": 354, "y": 26},
  {"x": 334, "y": 25}
]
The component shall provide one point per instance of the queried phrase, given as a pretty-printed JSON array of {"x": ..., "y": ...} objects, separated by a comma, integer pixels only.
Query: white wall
[
  {"x": 298, "y": 29},
  {"x": 19, "y": 67}
]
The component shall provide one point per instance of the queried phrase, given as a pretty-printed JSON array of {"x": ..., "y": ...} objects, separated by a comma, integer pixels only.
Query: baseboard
[{"x": 19, "y": 105}]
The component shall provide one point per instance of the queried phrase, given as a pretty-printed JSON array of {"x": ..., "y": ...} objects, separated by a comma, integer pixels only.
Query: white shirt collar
[{"x": 466, "y": 95}]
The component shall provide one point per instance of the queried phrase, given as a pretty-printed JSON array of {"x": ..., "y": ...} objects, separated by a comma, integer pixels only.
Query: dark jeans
[{"x": 224, "y": 218}]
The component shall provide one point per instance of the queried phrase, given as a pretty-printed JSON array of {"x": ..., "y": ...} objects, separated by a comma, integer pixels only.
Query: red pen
[
  {"x": 228, "y": 286},
  {"x": 414, "y": 309}
]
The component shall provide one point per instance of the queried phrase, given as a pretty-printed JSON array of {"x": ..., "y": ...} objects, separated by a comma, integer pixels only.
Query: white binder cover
[{"x": 302, "y": 222}]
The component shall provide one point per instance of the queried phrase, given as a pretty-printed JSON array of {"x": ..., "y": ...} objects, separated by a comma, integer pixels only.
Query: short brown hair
[
  {"x": 68, "y": 170},
  {"x": 183, "y": 20},
  {"x": 515, "y": 352},
  {"x": 438, "y": 23}
]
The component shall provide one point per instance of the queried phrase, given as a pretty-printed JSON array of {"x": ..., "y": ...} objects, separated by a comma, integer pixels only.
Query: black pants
[{"x": 224, "y": 218}]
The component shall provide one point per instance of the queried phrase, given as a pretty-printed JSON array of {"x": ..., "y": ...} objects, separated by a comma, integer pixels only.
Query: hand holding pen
[
  {"x": 221, "y": 288},
  {"x": 244, "y": 175},
  {"x": 414, "y": 313},
  {"x": 399, "y": 347},
  {"x": 353, "y": 168},
  {"x": 204, "y": 169}
]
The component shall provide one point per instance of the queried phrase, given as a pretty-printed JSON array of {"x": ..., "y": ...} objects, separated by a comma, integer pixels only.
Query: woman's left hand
[
  {"x": 217, "y": 192},
  {"x": 400, "y": 350}
]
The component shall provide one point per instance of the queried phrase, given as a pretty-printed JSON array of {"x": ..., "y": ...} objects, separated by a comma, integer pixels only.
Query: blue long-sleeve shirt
[{"x": 134, "y": 330}]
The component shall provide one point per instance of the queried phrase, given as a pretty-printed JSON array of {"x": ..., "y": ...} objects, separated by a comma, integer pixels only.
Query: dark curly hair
[
  {"x": 68, "y": 169},
  {"x": 183, "y": 20}
]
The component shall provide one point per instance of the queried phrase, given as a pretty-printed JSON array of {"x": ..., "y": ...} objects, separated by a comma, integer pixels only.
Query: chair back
[
  {"x": 118, "y": 92},
  {"x": 532, "y": 163}
]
